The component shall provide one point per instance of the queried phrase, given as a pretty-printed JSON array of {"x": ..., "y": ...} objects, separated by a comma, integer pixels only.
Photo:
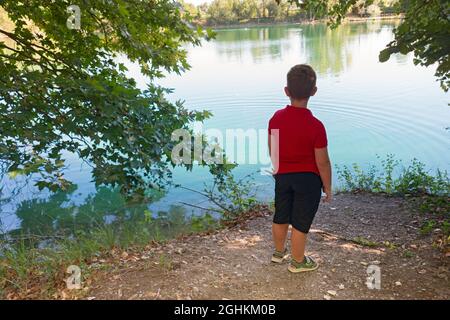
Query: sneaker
[
  {"x": 308, "y": 264},
  {"x": 280, "y": 256}
]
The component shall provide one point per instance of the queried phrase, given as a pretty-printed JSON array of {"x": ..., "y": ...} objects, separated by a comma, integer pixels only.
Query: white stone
[{"x": 332, "y": 293}]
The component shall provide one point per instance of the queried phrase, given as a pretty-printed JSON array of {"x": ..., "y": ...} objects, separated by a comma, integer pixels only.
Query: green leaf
[{"x": 384, "y": 55}]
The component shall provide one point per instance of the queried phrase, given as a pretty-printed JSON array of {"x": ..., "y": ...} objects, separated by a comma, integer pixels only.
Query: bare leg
[
  {"x": 298, "y": 243},
  {"x": 279, "y": 233}
]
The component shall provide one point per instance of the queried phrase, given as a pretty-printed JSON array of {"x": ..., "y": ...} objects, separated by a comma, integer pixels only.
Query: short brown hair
[{"x": 301, "y": 80}]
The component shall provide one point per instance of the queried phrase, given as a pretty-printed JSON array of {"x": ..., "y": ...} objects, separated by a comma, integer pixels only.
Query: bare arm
[
  {"x": 273, "y": 150},
  {"x": 324, "y": 165}
]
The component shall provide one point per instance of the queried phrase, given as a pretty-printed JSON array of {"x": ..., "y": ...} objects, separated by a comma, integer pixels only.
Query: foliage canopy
[{"x": 66, "y": 90}]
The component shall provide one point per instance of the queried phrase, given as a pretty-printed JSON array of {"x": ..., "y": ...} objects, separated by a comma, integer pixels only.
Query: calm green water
[{"x": 368, "y": 108}]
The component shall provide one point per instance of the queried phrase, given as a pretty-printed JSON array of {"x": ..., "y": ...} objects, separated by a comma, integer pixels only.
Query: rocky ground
[{"x": 349, "y": 235}]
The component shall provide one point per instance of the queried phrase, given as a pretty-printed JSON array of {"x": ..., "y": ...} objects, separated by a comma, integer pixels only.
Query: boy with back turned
[{"x": 302, "y": 168}]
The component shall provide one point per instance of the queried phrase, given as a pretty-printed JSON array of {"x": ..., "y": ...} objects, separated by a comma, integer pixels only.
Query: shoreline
[
  {"x": 356, "y": 231},
  {"x": 374, "y": 230},
  {"x": 350, "y": 19}
]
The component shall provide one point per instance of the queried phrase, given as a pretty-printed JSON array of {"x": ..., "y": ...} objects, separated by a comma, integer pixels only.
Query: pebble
[
  {"x": 341, "y": 287},
  {"x": 398, "y": 283},
  {"x": 332, "y": 293},
  {"x": 327, "y": 297}
]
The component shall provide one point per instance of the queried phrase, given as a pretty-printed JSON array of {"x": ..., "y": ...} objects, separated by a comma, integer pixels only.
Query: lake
[{"x": 369, "y": 109}]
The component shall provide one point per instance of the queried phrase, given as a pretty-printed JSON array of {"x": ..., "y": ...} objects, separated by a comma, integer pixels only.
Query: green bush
[
  {"x": 233, "y": 197},
  {"x": 394, "y": 178},
  {"x": 429, "y": 193},
  {"x": 26, "y": 262}
]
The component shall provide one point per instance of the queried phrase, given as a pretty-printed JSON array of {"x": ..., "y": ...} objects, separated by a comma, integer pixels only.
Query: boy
[{"x": 302, "y": 168}]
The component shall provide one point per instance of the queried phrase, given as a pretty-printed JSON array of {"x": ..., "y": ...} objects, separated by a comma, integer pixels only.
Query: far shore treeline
[{"x": 232, "y": 12}]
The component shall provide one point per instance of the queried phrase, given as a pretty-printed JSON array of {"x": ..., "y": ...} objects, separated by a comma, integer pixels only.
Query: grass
[
  {"x": 365, "y": 242},
  {"x": 408, "y": 254},
  {"x": 165, "y": 262},
  {"x": 373, "y": 244},
  {"x": 29, "y": 270},
  {"x": 394, "y": 178},
  {"x": 427, "y": 193}
]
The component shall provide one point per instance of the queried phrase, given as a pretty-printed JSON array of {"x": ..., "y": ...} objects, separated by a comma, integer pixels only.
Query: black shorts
[{"x": 297, "y": 198}]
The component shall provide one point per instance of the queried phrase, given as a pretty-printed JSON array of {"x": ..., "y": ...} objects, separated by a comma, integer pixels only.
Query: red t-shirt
[{"x": 299, "y": 134}]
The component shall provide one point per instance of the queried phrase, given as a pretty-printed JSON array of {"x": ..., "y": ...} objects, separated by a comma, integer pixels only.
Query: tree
[
  {"x": 273, "y": 8},
  {"x": 221, "y": 11},
  {"x": 359, "y": 8},
  {"x": 245, "y": 9},
  {"x": 64, "y": 90},
  {"x": 373, "y": 10},
  {"x": 262, "y": 9},
  {"x": 425, "y": 30}
]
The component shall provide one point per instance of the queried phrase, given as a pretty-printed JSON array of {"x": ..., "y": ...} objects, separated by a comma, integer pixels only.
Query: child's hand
[{"x": 328, "y": 196}]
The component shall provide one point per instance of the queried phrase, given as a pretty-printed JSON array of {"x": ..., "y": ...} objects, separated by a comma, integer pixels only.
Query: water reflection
[
  {"x": 330, "y": 51},
  {"x": 58, "y": 214},
  {"x": 261, "y": 43},
  {"x": 239, "y": 77}
]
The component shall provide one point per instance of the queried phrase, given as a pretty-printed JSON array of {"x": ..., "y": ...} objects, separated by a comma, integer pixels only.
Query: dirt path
[{"x": 234, "y": 263}]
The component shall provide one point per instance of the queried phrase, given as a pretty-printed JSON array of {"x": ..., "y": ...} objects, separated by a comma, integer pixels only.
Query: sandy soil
[{"x": 234, "y": 263}]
